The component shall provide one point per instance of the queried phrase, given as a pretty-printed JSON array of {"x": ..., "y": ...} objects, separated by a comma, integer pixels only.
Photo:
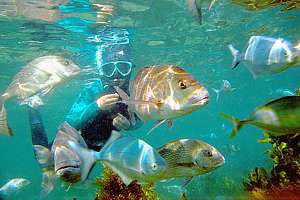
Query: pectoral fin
[
  {"x": 126, "y": 180},
  {"x": 158, "y": 123},
  {"x": 4, "y": 127}
]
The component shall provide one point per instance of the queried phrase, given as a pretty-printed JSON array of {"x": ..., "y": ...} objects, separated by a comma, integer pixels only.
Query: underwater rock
[
  {"x": 112, "y": 187},
  {"x": 263, "y": 4},
  {"x": 284, "y": 180}
]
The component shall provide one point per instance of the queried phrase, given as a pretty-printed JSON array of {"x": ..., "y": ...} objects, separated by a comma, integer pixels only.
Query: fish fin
[
  {"x": 42, "y": 155},
  {"x": 236, "y": 56},
  {"x": 187, "y": 181},
  {"x": 158, "y": 123},
  {"x": 126, "y": 99},
  {"x": 211, "y": 4},
  {"x": 114, "y": 136},
  {"x": 47, "y": 184},
  {"x": 238, "y": 124},
  {"x": 4, "y": 127},
  {"x": 125, "y": 179},
  {"x": 87, "y": 158}
]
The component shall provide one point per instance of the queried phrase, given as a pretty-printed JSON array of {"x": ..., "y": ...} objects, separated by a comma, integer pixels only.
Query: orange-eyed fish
[
  {"x": 129, "y": 157},
  {"x": 267, "y": 55},
  {"x": 162, "y": 93},
  {"x": 37, "y": 78},
  {"x": 278, "y": 117},
  {"x": 12, "y": 187}
]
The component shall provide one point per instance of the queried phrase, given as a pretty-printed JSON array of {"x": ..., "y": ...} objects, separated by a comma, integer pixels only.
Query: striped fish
[
  {"x": 37, "y": 77},
  {"x": 164, "y": 92}
]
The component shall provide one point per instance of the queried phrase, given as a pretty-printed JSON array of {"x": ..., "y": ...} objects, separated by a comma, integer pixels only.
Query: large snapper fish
[
  {"x": 164, "y": 92},
  {"x": 37, "y": 78}
]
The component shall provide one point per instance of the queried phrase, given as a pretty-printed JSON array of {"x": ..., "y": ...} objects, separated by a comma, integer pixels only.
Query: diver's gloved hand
[
  {"x": 121, "y": 122},
  {"x": 108, "y": 101}
]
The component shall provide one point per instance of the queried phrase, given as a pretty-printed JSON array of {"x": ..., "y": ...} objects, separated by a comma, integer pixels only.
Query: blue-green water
[{"x": 161, "y": 31}]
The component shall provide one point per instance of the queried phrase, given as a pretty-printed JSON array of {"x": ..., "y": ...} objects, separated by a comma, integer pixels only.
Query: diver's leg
[
  {"x": 41, "y": 150},
  {"x": 38, "y": 134}
]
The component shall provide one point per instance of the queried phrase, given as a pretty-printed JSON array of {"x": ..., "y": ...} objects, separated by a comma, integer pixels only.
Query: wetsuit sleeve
[{"x": 85, "y": 107}]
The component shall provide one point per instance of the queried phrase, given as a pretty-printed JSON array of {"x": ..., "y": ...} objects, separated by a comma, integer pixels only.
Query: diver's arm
[{"x": 85, "y": 108}]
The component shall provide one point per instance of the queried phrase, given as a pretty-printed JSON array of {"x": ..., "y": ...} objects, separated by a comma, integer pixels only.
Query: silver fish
[
  {"x": 188, "y": 158},
  {"x": 129, "y": 157},
  {"x": 37, "y": 78},
  {"x": 12, "y": 187},
  {"x": 61, "y": 160},
  {"x": 164, "y": 92},
  {"x": 266, "y": 55}
]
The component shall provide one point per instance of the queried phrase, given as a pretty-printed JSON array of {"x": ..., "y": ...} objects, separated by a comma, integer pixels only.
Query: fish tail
[
  {"x": 88, "y": 158},
  {"x": 238, "y": 124},
  {"x": 236, "y": 56},
  {"x": 4, "y": 127}
]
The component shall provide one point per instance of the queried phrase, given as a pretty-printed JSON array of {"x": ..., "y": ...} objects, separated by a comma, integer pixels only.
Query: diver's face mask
[
  {"x": 116, "y": 73},
  {"x": 109, "y": 69}
]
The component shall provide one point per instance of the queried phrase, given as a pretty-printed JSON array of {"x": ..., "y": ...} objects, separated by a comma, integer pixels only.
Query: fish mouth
[
  {"x": 70, "y": 173},
  {"x": 201, "y": 102}
]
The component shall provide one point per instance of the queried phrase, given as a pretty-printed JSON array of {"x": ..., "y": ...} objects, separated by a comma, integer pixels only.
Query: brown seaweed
[
  {"x": 284, "y": 179},
  {"x": 264, "y": 4},
  {"x": 112, "y": 187}
]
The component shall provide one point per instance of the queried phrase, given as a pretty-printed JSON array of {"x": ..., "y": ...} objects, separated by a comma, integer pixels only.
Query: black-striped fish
[
  {"x": 37, "y": 78},
  {"x": 164, "y": 92}
]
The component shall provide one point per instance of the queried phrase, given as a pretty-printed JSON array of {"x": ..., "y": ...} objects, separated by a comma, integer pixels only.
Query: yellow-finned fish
[
  {"x": 12, "y": 187},
  {"x": 278, "y": 117},
  {"x": 164, "y": 92},
  {"x": 37, "y": 78}
]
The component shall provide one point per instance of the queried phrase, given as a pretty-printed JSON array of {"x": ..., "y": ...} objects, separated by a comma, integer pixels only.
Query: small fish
[
  {"x": 162, "y": 93},
  {"x": 129, "y": 157},
  {"x": 278, "y": 117},
  {"x": 195, "y": 7},
  {"x": 225, "y": 87},
  {"x": 266, "y": 55},
  {"x": 12, "y": 187},
  {"x": 37, "y": 78},
  {"x": 61, "y": 160},
  {"x": 188, "y": 158}
]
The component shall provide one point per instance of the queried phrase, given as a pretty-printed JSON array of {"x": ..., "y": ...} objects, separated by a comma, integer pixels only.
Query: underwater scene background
[{"x": 161, "y": 32}]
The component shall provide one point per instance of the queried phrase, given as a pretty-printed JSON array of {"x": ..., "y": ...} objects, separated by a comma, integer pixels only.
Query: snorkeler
[{"x": 96, "y": 112}]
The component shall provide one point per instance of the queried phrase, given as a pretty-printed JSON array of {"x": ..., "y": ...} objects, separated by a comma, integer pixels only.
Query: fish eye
[
  {"x": 207, "y": 153},
  {"x": 182, "y": 84},
  {"x": 66, "y": 62},
  {"x": 154, "y": 166}
]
